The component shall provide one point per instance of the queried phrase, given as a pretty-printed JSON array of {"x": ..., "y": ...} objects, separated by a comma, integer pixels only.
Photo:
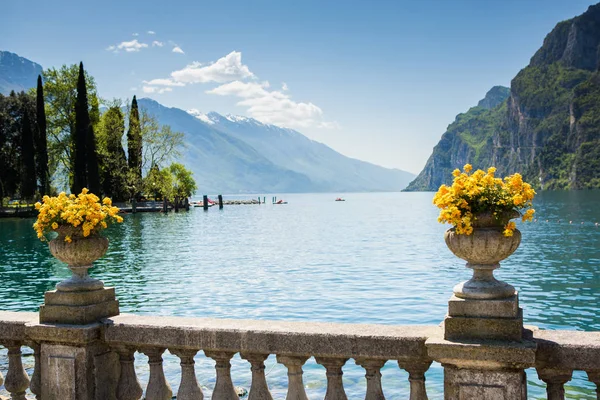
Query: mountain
[
  {"x": 233, "y": 154},
  {"x": 548, "y": 128},
  {"x": 222, "y": 163},
  {"x": 326, "y": 168},
  {"x": 17, "y": 73},
  {"x": 248, "y": 156}
]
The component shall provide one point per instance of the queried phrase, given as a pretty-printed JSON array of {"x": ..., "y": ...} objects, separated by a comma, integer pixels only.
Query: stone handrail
[
  {"x": 115, "y": 340},
  {"x": 293, "y": 343},
  {"x": 559, "y": 353}
]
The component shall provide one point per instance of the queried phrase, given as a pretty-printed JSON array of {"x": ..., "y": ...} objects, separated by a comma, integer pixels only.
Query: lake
[{"x": 375, "y": 258}]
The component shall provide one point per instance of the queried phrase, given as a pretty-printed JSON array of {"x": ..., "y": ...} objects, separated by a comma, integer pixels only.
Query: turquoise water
[{"x": 375, "y": 258}]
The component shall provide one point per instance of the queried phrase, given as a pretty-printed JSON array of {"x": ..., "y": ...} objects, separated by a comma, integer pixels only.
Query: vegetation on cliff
[{"x": 548, "y": 126}]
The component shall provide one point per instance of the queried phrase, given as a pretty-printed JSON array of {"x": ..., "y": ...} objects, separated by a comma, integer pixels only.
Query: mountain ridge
[
  {"x": 548, "y": 128},
  {"x": 17, "y": 73}
]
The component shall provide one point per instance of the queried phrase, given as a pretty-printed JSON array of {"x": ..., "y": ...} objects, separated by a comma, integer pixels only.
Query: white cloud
[
  {"x": 163, "y": 82},
  {"x": 262, "y": 103},
  {"x": 136, "y": 34},
  {"x": 152, "y": 89},
  {"x": 225, "y": 69},
  {"x": 131, "y": 46},
  {"x": 157, "y": 44},
  {"x": 271, "y": 107},
  {"x": 151, "y": 33},
  {"x": 177, "y": 49}
]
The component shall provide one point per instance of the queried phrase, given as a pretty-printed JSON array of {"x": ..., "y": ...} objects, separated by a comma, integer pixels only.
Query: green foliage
[
  {"x": 41, "y": 143},
  {"x": 60, "y": 94},
  {"x": 17, "y": 162},
  {"x": 160, "y": 144},
  {"x": 183, "y": 182},
  {"x": 134, "y": 146},
  {"x": 113, "y": 163},
  {"x": 84, "y": 163}
]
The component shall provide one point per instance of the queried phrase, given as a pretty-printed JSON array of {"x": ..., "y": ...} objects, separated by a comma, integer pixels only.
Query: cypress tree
[
  {"x": 41, "y": 145},
  {"x": 114, "y": 162},
  {"x": 82, "y": 125},
  {"x": 28, "y": 181},
  {"x": 134, "y": 144},
  {"x": 93, "y": 172}
]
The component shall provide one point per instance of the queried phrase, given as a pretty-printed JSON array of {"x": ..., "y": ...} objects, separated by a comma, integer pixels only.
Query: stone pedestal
[
  {"x": 75, "y": 364},
  {"x": 78, "y": 307},
  {"x": 483, "y": 369},
  {"x": 495, "y": 319}
]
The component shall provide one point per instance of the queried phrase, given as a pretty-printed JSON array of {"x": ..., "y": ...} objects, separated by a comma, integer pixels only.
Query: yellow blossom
[
  {"x": 480, "y": 192},
  {"x": 84, "y": 211}
]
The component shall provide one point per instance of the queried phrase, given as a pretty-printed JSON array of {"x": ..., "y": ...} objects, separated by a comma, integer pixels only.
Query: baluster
[
  {"x": 36, "y": 378},
  {"x": 594, "y": 376},
  {"x": 373, "y": 375},
  {"x": 129, "y": 387},
  {"x": 555, "y": 379},
  {"x": 17, "y": 381},
  {"x": 158, "y": 387},
  {"x": 188, "y": 388},
  {"x": 335, "y": 386},
  {"x": 224, "y": 389},
  {"x": 416, "y": 376},
  {"x": 259, "y": 389},
  {"x": 295, "y": 385}
]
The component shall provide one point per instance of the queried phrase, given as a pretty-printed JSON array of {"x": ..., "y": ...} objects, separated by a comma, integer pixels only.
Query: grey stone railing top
[
  {"x": 272, "y": 337},
  {"x": 572, "y": 350},
  {"x": 12, "y": 324}
]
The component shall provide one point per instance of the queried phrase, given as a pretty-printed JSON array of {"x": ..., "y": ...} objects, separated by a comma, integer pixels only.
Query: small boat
[
  {"x": 339, "y": 199},
  {"x": 280, "y": 202}
]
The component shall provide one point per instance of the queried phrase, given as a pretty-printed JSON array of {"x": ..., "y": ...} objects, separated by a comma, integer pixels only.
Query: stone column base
[
  {"x": 499, "y": 319},
  {"x": 75, "y": 364},
  {"x": 483, "y": 369},
  {"x": 78, "y": 308}
]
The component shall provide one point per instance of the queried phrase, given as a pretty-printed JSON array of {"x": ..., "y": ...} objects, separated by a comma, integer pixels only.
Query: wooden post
[
  {"x": 258, "y": 199},
  {"x": 220, "y": 202},
  {"x": 265, "y": 199},
  {"x": 133, "y": 205},
  {"x": 186, "y": 204},
  {"x": 165, "y": 205},
  {"x": 205, "y": 202}
]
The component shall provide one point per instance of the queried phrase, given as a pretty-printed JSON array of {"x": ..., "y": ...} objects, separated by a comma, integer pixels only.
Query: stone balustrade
[{"x": 96, "y": 361}]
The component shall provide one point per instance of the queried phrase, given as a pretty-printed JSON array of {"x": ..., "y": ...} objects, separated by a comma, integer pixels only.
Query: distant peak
[
  {"x": 494, "y": 96},
  {"x": 201, "y": 116}
]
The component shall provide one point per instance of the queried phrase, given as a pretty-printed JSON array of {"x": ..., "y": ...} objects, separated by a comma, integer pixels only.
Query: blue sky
[{"x": 375, "y": 80}]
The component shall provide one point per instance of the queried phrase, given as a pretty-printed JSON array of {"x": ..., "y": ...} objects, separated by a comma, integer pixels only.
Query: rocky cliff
[{"x": 548, "y": 128}]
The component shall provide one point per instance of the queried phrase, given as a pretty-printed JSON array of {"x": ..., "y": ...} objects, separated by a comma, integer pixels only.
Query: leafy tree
[
  {"x": 17, "y": 162},
  {"x": 60, "y": 94},
  {"x": 134, "y": 148},
  {"x": 160, "y": 143},
  {"x": 41, "y": 146},
  {"x": 159, "y": 183},
  {"x": 113, "y": 163},
  {"x": 183, "y": 183},
  {"x": 9, "y": 145}
]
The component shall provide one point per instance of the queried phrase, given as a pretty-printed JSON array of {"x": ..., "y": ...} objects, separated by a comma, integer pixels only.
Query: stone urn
[
  {"x": 79, "y": 254},
  {"x": 483, "y": 250}
]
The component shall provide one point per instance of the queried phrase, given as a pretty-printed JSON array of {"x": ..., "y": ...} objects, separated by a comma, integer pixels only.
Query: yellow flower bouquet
[
  {"x": 83, "y": 215},
  {"x": 480, "y": 195}
]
